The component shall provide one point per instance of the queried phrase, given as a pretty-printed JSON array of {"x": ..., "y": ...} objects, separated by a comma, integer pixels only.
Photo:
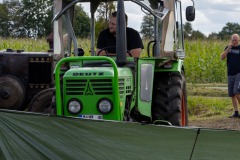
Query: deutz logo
[
  {"x": 88, "y": 74},
  {"x": 88, "y": 89}
]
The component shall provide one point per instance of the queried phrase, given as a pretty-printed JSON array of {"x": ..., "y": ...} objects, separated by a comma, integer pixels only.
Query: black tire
[
  {"x": 169, "y": 98},
  {"x": 41, "y": 102},
  {"x": 12, "y": 93}
]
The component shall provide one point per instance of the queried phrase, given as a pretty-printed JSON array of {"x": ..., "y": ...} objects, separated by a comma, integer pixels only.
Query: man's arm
[
  {"x": 135, "y": 44},
  {"x": 225, "y": 53},
  {"x": 103, "y": 52},
  {"x": 101, "y": 44},
  {"x": 135, "y": 52}
]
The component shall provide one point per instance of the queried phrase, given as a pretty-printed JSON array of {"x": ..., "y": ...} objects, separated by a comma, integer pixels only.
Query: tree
[
  {"x": 147, "y": 26},
  {"x": 228, "y": 30},
  {"x": 197, "y": 35},
  {"x": 47, "y": 23},
  {"x": 4, "y": 20},
  {"x": 104, "y": 11},
  {"x": 189, "y": 33},
  {"x": 187, "y": 27},
  {"x": 81, "y": 22},
  {"x": 100, "y": 25},
  {"x": 35, "y": 17},
  {"x": 15, "y": 17},
  {"x": 28, "y": 18},
  {"x": 213, "y": 35}
]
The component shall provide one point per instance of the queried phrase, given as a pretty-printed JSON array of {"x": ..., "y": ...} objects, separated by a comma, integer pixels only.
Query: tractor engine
[{"x": 23, "y": 75}]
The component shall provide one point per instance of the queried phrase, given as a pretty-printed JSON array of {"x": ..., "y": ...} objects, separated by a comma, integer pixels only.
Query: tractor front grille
[
  {"x": 92, "y": 87},
  {"x": 121, "y": 86},
  {"x": 102, "y": 86},
  {"x": 75, "y": 87}
]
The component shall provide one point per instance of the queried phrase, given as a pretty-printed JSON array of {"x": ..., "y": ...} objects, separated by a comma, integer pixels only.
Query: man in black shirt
[
  {"x": 232, "y": 53},
  {"x": 107, "y": 38}
]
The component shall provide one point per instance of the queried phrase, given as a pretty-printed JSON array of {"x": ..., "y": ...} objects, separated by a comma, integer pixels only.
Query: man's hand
[
  {"x": 225, "y": 53},
  {"x": 230, "y": 45}
]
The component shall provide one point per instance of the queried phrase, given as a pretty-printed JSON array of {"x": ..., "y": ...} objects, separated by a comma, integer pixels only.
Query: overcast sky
[{"x": 211, "y": 15}]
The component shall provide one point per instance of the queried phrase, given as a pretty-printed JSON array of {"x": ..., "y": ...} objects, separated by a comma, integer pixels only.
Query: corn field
[{"x": 202, "y": 62}]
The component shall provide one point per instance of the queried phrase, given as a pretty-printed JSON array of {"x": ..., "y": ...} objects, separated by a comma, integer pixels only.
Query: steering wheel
[{"x": 108, "y": 47}]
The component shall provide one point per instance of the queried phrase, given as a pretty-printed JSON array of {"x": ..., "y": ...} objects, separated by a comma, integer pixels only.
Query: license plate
[{"x": 90, "y": 116}]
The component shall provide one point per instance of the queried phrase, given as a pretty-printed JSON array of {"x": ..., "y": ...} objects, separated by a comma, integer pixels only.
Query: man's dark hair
[{"x": 114, "y": 14}]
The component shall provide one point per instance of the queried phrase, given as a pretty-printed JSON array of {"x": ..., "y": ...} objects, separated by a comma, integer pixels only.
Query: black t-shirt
[
  {"x": 107, "y": 39},
  {"x": 233, "y": 60}
]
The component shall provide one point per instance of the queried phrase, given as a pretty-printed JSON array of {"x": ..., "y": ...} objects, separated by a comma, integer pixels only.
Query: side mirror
[{"x": 190, "y": 13}]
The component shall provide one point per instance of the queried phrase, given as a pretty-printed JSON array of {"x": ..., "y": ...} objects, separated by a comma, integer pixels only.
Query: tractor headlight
[
  {"x": 74, "y": 106},
  {"x": 105, "y": 106}
]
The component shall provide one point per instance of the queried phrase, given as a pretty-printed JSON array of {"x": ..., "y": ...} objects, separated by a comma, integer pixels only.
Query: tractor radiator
[{"x": 92, "y": 87}]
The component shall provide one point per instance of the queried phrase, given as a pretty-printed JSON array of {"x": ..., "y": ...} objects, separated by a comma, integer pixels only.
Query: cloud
[
  {"x": 135, "y": 15},
  {"x": 211, "y": 16}
]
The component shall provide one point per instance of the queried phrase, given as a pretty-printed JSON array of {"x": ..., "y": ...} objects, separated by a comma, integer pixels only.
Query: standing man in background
[{"x": 232, "y": 53}]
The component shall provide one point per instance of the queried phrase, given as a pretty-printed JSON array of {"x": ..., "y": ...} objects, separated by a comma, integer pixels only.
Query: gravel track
[{"x": 217, "y": 123}]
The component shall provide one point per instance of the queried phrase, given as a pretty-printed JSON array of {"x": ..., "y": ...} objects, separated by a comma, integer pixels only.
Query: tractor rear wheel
[
  {"x": 41, "y": 102},
  {"x": 12, "y": 92},
  {"x": 169, "y": 98}
]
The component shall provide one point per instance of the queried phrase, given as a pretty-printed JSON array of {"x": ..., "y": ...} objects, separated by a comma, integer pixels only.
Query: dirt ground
[{"x": 217, "y": 123}]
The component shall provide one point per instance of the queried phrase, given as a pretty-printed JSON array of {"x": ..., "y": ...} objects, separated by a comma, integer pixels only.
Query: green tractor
[{"x": 149, "y": 89}]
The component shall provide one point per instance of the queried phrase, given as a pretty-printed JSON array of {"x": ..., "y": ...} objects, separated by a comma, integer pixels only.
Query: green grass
[
  {"x": 200, "y": 106},
  {"x": 210, "y": 90},
  {"x": 208, "y": 100},
  {"x": 26, "y": 44}
]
